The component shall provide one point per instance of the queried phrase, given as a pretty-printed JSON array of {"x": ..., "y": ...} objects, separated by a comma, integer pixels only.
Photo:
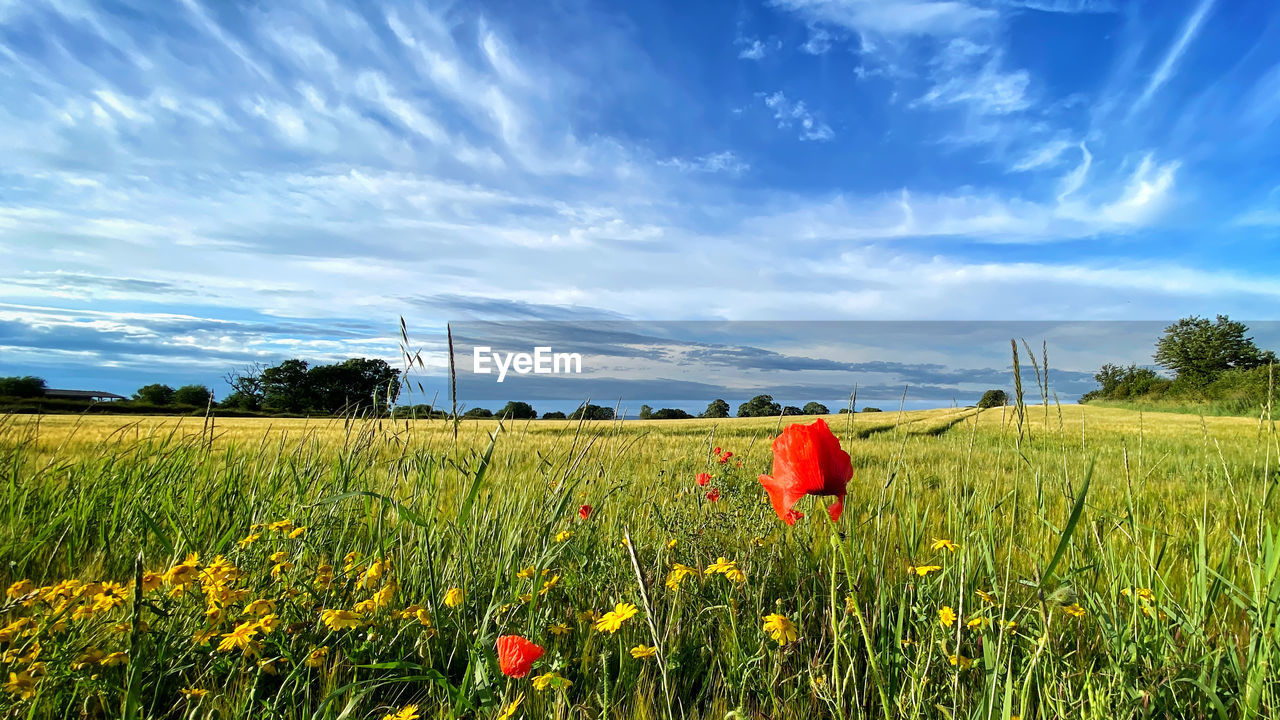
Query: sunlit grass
[{"x": 932, "y": 597}]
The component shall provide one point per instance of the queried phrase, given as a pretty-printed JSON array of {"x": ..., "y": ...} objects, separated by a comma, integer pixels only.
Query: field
[{"x": 1072, "y": 562}]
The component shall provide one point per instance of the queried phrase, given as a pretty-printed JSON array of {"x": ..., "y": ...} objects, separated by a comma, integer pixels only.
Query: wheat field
[{"x": 1051, "y": 562}]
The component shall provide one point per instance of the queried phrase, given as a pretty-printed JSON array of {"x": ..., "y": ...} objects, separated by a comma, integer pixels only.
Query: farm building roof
[{"x": 82, "y": 394}]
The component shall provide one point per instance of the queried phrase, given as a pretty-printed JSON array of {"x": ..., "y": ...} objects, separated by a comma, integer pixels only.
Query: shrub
[{"x": 993, "y": 398}]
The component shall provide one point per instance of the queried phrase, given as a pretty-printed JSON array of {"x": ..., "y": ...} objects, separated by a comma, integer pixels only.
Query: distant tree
[
  {"x": 993, "y": 398},
  {"x": 870, "y": 409},
  {"x": 1198, "y": 350},
  {"x": 246, "y": 388},
  {"x": 154, "y": 394},
  {"x": 1117, "y": 383},
  {"x": 197, "y": 395},
  {"x": 717, "y": 409},
  {"x": 353, "y": 385},
  {"x": 26, "y": 386},
  {"x": 553, "y": 415},
  {"x": 843, "y": 411},
  {"x": 421, "y": 411},
  {"x": 815, "y": 408},
  {"x": 670, "y": 414},
  {"x": 646, "y": 412},
  {"x": 286, "y": 387},
  {"x": 478, "y": 413},
  {"x": 517, "y": 410},
  {"x": 592, "y": 412},
  {"x": 759, "y": 406},
  {"x": 792, "y": 410}
]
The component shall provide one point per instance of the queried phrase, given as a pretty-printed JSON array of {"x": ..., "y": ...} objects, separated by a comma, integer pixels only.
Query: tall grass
[{"x": 1069, "y": 519}]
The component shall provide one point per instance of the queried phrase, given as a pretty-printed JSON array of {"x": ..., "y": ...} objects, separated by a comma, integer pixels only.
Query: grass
[{"x": 1130, "y": 566}]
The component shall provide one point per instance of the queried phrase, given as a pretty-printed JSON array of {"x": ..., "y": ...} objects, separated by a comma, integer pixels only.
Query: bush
[
  {"x": 478, "y": 413},
  {"x": 154, "y": 394},
  {"x": 592, "y": 412},
  {"x": 870, "y": 409},
  {"x": 759, "y": 406},
  {"x": 554, "y": 415},
  {"x": 27, "y": 386},
  {"x": 815, "y": 408},
  {"x": 993, "y": 398},
  {"x": 670, "y": 414},
  {"x": 194, "y": 395},
  {"x": 517, "y": 410}
]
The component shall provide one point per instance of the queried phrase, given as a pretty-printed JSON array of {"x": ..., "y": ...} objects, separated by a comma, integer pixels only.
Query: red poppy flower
[
  {"x": 714, "y": 495},
  {"x": 717, "y": 450},
  {"x": 584, "y": 512},
  {"x": 722, "y": 459},
  {"x": 807, "y": 460},
  {"x": 704, "y": 478},
  {"x": 516, "y": 655}
]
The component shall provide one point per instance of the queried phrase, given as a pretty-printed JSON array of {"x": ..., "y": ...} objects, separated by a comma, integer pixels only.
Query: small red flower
[
  {"x": 717, "y": 450},
  {"x": 704, "y": 478},
  {"x": 807, "y": 460},
  {"x": 722, "y": 459},
  {"x": 516, "y": 655},
  {"x": 584, "y": 512},
  {"x": 714, "y": 495}
]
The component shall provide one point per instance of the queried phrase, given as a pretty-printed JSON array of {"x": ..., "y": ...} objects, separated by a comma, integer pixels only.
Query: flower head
[
  {"x": 704, "y": 478},
  {"x": 943, "y": 544},
  {"x": 946, "y": 616},
  {"x": 611, "y": 621},
  {"x": 780, "y": 628},
  {"x": 641, "y": 652},
  {"x": 453, "y": 598},
  {"x": 408, "y": 712},
  {"x": 807, "y": 460},
  {"x": 584, "y": 512},
  {"x": 714, "y": 495},
  {"x": 516, "y": 655}
]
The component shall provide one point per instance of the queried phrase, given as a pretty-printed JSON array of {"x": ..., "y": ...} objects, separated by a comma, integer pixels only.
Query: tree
[
  {"x": 717, "y": 409},
  {"x": 671, "y": 414},
  {"x": 517, "y": 410},
  {"x": 26, "y": 386},
  {"x": 646, "y": 412},
  {"x": 154, "y": 394},
  {"x": 816, "y": 408},
  {"x": 197, "y": 395},
  {"x": 553, "y": 415},
  {"x": 993, "y": 398},
  {"x": 792, "y": 410},
  {"x": 478, "y": 413},
  {"x": 246, "y": 388},
  {"x": 591, "y": 412},
  {"x": 1198, "y": 350},
  {"x": 285, "y": 387},
  {"x": 759, "y": 406},
  {"x": 352, "y": 386},
  {"x": 870, "y": 409}
]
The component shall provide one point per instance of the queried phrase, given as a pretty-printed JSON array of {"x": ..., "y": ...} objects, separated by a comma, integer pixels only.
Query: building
[{"x": 94, "y": 395}]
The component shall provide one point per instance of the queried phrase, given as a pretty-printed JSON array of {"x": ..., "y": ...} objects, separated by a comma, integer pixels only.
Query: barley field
[{"x": 1062, "y": 562}]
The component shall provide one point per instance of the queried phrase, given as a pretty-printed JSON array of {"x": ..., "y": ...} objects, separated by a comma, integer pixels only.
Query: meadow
[{"x": 1062, "y": 562}]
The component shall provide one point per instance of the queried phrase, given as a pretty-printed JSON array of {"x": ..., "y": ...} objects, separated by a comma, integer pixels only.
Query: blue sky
[{"x": 188, "y": 186}]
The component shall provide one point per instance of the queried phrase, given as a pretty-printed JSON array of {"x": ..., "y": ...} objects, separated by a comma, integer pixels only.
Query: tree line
[{"x": 1210, "y": 361}]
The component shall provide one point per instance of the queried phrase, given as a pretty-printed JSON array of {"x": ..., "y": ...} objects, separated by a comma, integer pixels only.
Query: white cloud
[
  {"x": 893, "y": 17},
  {"x": 721, "y": 162},
  {"x": 754, "y": 50},
  {"x": 819, "y": 41},
  {"x": 1044, "y": 156},
  {"x": 1165, "y": 70},
  {"x": 789, "y": 113}
]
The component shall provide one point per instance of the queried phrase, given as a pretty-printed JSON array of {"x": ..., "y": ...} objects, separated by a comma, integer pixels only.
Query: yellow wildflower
[
  {"x": 526, "y": 572},
  {"x": 20, "y": 588},
  {"x": 340, "y": 619},
  {"x": 986, "y": 596},
  {"x": 280, "y": 526},
  {"x": 563, "y": 535},
  {"x": 677, "y": 575},
  {"x": 115, "y": 658},
  {"x": 641, "y": 652},
  {"x": 194, "y": 692},
  {"x": 509, "y": 711},
  {"x": 922, "y": 570},
  {"x": 88, "y": 658},
  {"x": 551, "y": 679},
  {"x": 780, "y": 628},
  {"x": 978, "y": 623},
  {"x": 267, "y": 666},
  {"x": 241, "y": 638},
  {"x": 248, "y": 540},
  {"x": 946, "y": 616},
  {"x": 296, "y": 533},
  {"x": 21, "y": 684},
  {"x": 260, "y": 607},
  {"x": 943, "y": 544},
  {"x": 559, "y": 629},
  {"x": 318, "y": 657},
  {"x": 453, "y": 598},
  {"x": 408, "y": 712},
  {"x": 611, "y": 621},
  {"x": 1074, "y": 610},
  {"x": 961, "y": 661}
]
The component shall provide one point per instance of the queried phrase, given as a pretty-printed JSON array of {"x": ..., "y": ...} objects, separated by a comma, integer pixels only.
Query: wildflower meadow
[{"x": 1012, "y": 562}]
